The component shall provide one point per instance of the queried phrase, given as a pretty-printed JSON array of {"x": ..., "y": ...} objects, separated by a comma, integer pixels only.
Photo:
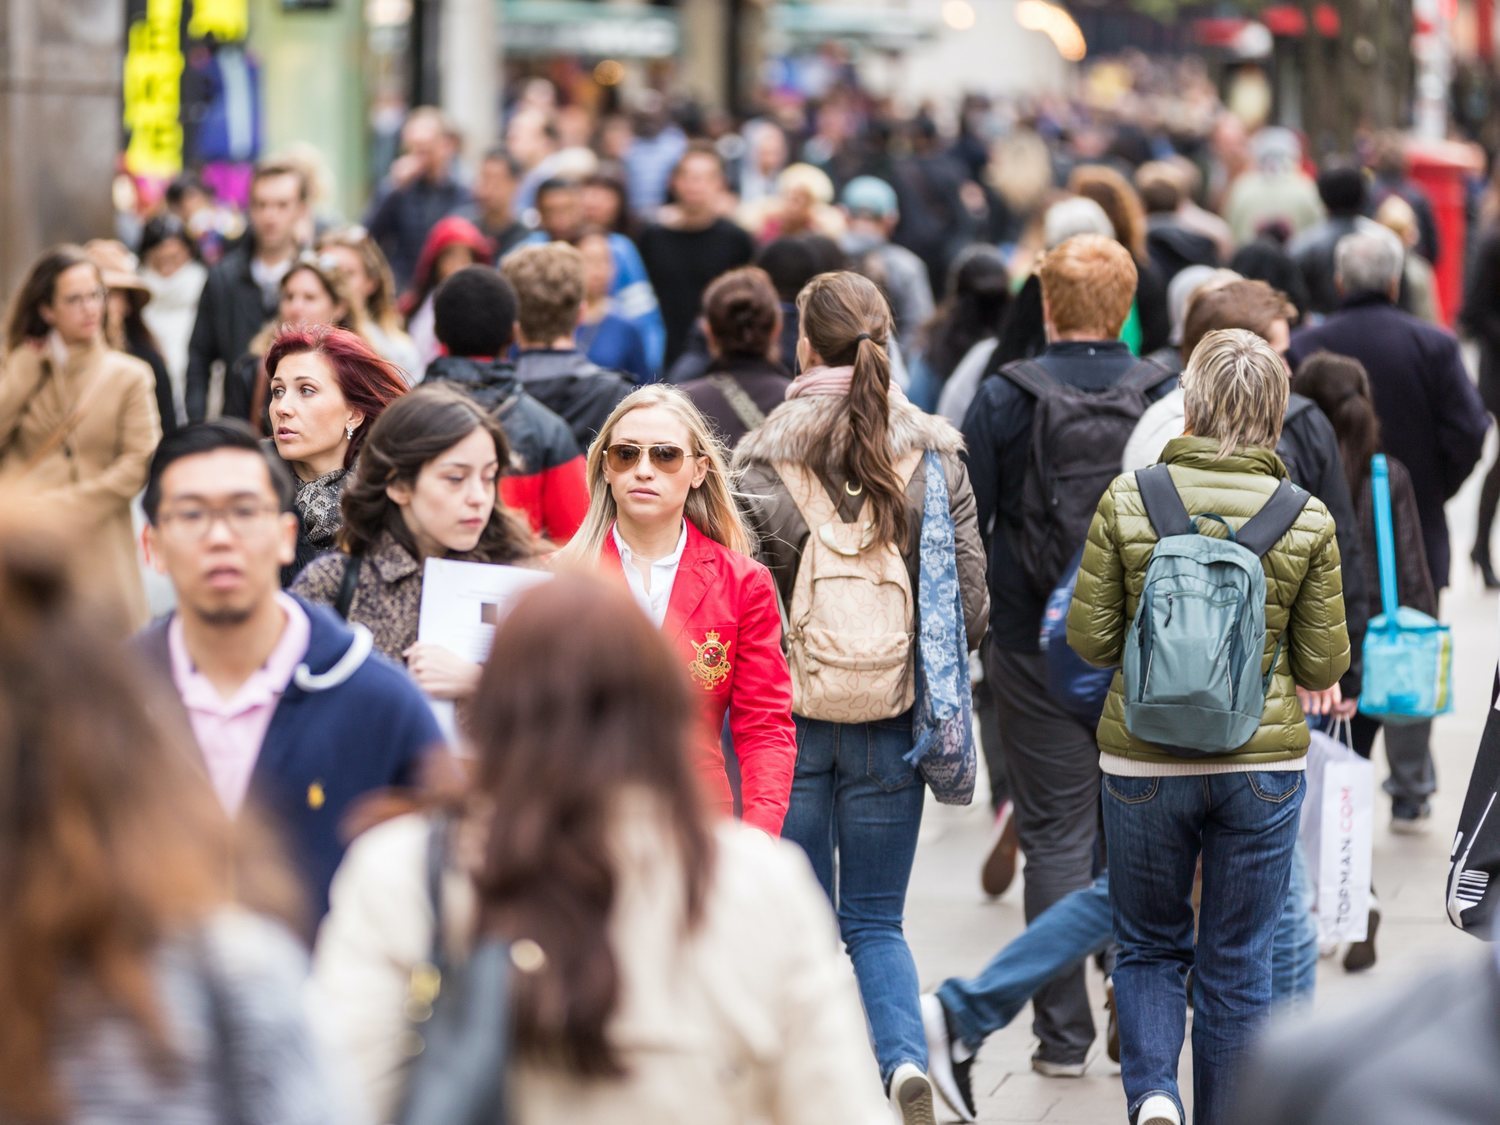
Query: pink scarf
[{"x": 831, "y": 382}]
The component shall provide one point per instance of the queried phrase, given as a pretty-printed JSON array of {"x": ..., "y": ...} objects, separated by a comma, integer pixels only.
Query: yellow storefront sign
[{"x": 153, "y": 77}]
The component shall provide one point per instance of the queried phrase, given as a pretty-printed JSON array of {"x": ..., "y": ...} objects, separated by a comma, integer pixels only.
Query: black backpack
[{"x": 1077, "y": 441}]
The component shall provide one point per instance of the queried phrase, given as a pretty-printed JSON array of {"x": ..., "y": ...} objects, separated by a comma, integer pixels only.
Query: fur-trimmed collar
[{"x": 794, "y": 427}]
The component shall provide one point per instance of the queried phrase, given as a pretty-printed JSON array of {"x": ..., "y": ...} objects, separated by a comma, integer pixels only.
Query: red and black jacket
[{"x": 548, "y": 482}]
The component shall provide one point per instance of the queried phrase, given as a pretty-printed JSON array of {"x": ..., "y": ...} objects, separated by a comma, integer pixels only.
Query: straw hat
[{"x": 117, "y": 267}]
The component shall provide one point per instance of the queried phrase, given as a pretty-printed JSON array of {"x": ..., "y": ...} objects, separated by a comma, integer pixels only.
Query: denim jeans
[
  {"x": 1069, "y": 930},
  {"x": 854, "y": 797},
  {"x": 1245, "y": 827},
  {"x": 1294, "y": 952}
]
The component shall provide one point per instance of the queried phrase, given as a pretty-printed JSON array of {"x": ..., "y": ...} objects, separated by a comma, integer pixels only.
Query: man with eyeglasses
[{"x": 293, "y": 712}]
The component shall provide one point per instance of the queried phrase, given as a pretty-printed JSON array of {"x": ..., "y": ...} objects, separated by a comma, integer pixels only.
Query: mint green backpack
[{"x": 1192, "y": 680}]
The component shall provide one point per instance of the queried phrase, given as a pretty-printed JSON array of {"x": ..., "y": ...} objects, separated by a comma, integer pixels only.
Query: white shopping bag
[{"x": 1338, "y": 835}]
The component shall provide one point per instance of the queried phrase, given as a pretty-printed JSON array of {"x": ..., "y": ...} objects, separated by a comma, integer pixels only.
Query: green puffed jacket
[{"x": 1304, "y": 593}]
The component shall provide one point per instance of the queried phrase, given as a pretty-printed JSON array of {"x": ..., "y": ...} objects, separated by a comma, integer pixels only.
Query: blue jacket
[{"x": 350, "y": 723}]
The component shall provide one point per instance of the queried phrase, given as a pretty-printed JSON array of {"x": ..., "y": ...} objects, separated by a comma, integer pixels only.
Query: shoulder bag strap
[
  {"x": 750, "y": 415},
  {"x": 347, "y": 587},
  {"x": 1164, "y": 507},
  {"x": 1385, "y": 532},
  {"x": 1031, "y": 377},
  {"x": 1264, "y": 529},
  {"x": 66, "y": 427}
]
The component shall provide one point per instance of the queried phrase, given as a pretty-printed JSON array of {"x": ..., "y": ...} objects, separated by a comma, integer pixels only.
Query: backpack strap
[
  {"x": 1145, "y": 375},
  {"x": 1164, "y": 507},
  {"x": 348, "y": 585},
  {"x": 1275, "y": 518},
  {"x": 1031, "y": 377}
]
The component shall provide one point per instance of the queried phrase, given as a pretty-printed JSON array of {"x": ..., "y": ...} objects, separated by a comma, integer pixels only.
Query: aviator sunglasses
[{"x": 624, "y": 456}]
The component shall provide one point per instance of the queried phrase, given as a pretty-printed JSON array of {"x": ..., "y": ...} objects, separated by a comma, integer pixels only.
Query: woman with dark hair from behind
[
  {"x": 656, "y": 985},
  {"x": 847, "y": 448},
  {"x": 327, "y": 389},
  {"x": 966, "y": 326},
  {"x": 746, "y": 379},
  {"x": 1341, "y": 388},
  {"x": 133, "y": 957},
  {"x": 425, "y": 487}
]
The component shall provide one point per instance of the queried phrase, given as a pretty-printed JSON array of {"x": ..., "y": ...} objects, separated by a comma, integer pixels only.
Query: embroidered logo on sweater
[{"x": 711, "y": 666}]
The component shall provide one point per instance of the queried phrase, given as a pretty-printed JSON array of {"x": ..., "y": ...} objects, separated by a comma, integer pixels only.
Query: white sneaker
[
  {"x": 911, "y": 1095},
  {"x": 1158, "y": 1109}
]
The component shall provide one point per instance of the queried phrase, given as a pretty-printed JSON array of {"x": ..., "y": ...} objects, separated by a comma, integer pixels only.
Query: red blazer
[{"x": 723, "y": 618}]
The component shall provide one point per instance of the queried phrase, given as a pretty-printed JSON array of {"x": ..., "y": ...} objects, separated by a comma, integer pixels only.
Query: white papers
[{"x": 462, "y": 602}]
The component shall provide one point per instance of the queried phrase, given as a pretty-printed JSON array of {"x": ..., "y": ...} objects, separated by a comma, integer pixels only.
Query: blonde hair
[
  {"x": 548, "y": 281},
  {"x": 848, "y": 323},
  {"x": 1235, "y": 390},
  {"x": 710, "y": 507},
  {"x": 1089, "y": 282}
]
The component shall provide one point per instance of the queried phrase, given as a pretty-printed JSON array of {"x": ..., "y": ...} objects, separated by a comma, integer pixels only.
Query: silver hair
[
  {"x": 1078, "y": 215},
  {"x": 1369, "y": 261}
]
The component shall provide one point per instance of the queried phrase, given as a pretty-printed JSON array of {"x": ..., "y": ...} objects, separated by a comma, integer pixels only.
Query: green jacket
[{"x": 1304, "y": 592}]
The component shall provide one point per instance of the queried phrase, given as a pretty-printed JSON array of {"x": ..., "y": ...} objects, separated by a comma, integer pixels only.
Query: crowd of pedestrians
[{"x": 829, "y": 435}]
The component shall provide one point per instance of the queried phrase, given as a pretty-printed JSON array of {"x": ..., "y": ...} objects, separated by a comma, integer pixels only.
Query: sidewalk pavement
[{"x": 954, "y": 929}]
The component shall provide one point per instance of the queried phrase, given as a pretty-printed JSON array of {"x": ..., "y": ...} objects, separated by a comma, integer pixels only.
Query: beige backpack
[{"x": 849, "y": 629}]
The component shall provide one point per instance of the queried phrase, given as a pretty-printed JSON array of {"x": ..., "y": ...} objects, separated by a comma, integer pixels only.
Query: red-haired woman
[
  {"x": 678, "y": 965},
  {"x": 327, "y": 387}
]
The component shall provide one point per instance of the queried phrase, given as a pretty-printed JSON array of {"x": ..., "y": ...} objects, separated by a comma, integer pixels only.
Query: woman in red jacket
[{"x": 661, "y": 513}]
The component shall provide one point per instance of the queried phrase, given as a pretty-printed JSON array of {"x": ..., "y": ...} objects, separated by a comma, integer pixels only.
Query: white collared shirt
[{"x": 663, "y": 576}]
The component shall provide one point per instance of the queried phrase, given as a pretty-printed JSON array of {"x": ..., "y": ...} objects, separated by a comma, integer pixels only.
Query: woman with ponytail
[
  {"x": 662, "y": 517},
  {"x": 1341, "y": 388},
  {"x": 845, "y": 458}
]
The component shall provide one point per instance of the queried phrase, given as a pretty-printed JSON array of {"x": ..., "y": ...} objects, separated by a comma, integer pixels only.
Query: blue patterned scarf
[{"x": 942, "y": 723}]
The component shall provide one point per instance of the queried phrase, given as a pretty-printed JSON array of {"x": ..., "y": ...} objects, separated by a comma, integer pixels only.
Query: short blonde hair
[
  {"x": 548, "y": 281},
  {"x": 1235, "y": 390},
  {"x": 1088, "y": 282}
]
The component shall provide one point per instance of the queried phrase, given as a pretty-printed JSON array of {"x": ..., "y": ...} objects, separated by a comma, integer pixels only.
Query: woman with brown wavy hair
[
  {"x": 1150, "y": 324},
  {"x": 126, "y": 969},
  {"x": 425, "y": 486},
  {"x": 657, "y": 985}
]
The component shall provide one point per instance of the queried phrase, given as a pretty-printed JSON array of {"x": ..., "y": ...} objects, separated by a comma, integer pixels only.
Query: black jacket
[
  {"x": 401, "y": 219},
  {"x": 997, "y": 437},
  {"x": 1431, "y": 418},
  {"x": 572, "y": 386},
  {"x": 1481, "y": 313},
  {"x": 1310, "y": 450},
  {"x": 1173, "y": 247},
  {"x": 546, "y": 479},
  {"x": 764, "y": 381},
  {"x": 231, "y": 311}
]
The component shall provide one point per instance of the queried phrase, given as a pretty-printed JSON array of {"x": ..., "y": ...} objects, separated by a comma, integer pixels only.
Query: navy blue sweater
[{"x": 349, "y": 723}]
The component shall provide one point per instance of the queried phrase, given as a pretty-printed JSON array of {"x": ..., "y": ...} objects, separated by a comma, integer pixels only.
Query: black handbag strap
[{"x": 347, "y": 587}]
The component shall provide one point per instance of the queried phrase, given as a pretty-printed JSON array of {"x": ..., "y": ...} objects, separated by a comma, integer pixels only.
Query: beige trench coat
[{"x": 93, "y": 474}]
